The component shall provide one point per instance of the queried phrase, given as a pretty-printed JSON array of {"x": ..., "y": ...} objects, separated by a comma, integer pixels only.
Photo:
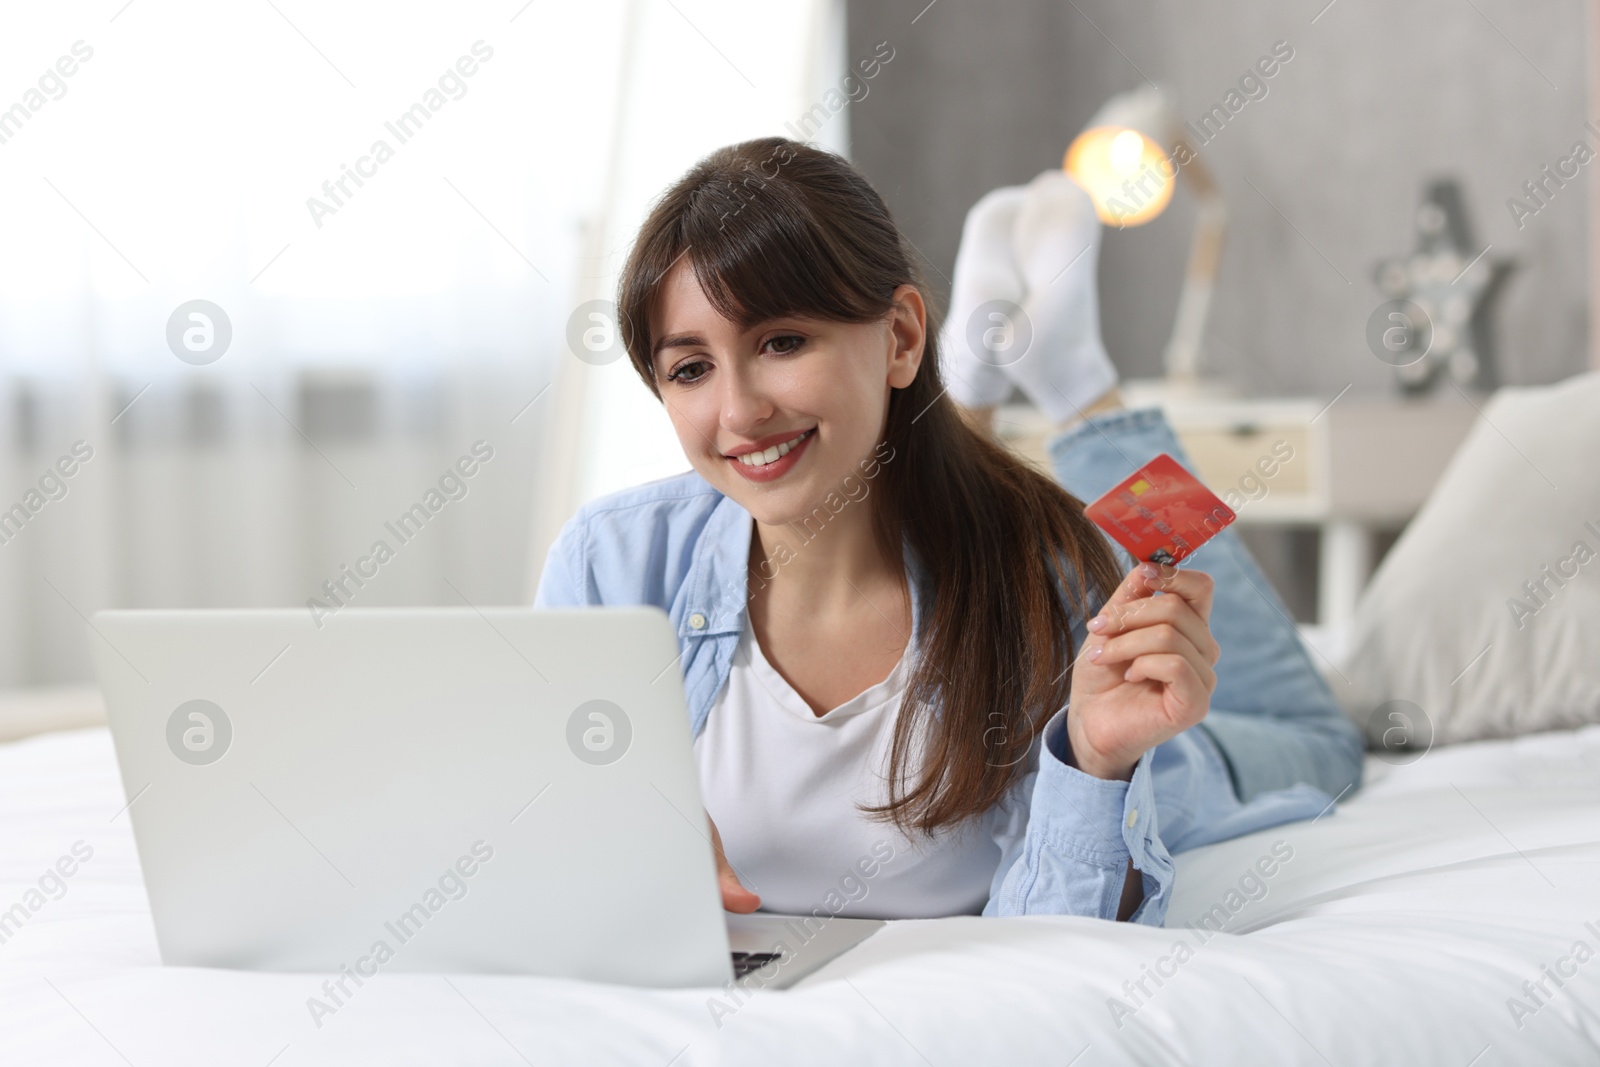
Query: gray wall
[{"x": 1379, "y": 98}]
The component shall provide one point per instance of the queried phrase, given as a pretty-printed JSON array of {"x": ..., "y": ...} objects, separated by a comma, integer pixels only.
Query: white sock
[
  {"x": 985, "y": 270},
  {"x": 1056, "y": 246}
]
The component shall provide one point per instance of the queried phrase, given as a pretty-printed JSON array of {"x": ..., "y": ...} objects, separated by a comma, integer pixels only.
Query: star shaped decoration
[{"x": 1453, "y": 282}]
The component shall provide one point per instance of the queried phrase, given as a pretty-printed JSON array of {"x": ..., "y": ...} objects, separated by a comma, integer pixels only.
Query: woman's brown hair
[{"x": 772, "y": 228}]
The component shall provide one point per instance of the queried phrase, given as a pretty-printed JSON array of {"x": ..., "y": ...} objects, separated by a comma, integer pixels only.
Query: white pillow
[{"x": 1484, "y": 619}]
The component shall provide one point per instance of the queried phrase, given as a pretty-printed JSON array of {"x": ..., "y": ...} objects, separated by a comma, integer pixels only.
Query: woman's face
[{"x": 816, "y": 391}]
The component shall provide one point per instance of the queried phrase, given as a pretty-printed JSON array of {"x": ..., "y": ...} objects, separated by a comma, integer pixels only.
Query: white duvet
[{"x": 1447, "y": 914}]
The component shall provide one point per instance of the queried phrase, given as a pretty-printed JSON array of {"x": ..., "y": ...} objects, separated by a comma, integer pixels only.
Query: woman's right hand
[
  {"x": 1146, "y": 673},
  {"x": 735, "y": 897}
]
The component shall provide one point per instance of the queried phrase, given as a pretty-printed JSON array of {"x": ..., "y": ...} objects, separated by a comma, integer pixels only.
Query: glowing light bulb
[
  {"x": 1126, "y": 174},
  {"x": 1126, "y": 148}
]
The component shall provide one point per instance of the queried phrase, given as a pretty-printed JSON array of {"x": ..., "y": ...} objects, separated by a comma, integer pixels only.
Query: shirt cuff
[{"x": 1115, "y": 821}]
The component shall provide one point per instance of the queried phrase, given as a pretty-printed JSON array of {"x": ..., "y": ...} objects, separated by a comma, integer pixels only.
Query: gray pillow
[{"x": 1484, "y": 619}]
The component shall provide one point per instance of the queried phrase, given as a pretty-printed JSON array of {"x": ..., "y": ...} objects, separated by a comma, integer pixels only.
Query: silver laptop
[{"x": 504, "y": 790}]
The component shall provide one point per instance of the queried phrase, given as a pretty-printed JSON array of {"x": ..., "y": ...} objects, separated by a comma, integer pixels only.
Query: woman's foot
[
  {"x": 1024, "y": 306},
  {"x": 1056, "y": 241},
  {"x": 1111, "y": 401},
  {"x": 983, "y": 418},
  {"x": 985, "y": 273}
]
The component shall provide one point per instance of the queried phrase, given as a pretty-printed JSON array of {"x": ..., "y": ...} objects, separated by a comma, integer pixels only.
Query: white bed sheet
[{"x": 1397, "y": 933}]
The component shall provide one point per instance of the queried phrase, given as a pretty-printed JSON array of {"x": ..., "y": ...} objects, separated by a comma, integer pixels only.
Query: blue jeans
[{"x": 1272, "y": 715}]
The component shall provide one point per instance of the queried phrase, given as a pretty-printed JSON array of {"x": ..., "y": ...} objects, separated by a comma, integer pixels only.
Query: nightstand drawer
[{"x": 1247, "y": 453}]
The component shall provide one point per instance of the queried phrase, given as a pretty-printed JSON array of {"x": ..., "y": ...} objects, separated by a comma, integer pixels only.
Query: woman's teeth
[{"x": 771, "y": 455}]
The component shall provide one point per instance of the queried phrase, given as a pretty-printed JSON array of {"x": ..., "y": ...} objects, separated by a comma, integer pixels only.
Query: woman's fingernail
[
  {"x": 1149, "y": 570},
  {"x": 1097, "y": 623},
  {"x": 1094, "y": 653}
]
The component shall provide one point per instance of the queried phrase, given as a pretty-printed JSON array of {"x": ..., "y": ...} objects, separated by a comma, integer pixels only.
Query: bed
[{"x": 1448, "y": 913}]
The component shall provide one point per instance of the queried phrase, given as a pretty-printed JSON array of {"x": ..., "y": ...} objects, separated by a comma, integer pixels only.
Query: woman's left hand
[{"x": 1145, "y": 672}]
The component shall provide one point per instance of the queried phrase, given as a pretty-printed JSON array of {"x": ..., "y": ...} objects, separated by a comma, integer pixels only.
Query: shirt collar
[{"x": 719, "y": 579}]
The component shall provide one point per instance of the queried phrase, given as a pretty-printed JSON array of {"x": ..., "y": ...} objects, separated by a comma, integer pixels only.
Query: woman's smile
[{"x": 767, "y": 460}]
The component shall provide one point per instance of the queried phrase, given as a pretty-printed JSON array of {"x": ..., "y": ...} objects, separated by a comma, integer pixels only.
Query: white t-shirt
[{"x": 782, "y": 784}]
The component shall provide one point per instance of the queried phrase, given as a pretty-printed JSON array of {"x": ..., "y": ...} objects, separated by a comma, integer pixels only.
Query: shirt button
[
  {"x": 1133, "y": 817},
  {"x": 697, "y": 621}
]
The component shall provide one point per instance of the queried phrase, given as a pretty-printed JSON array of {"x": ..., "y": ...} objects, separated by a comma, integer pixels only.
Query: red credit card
[{"x": 1160, "y": 513}]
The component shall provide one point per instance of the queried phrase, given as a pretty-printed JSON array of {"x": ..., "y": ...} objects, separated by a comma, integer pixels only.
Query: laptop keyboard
[{"x": 745, "y": 962}]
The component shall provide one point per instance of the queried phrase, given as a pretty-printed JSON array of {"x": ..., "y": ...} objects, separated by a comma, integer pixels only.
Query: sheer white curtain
[
  {"x": 396, "y": 207},
  {"x": 372, "y": 345}
]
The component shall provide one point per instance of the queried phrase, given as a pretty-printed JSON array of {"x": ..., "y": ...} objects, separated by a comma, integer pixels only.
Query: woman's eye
[
  {"x": 687, "y": 373},
  {"x": 785, "y": 344}
]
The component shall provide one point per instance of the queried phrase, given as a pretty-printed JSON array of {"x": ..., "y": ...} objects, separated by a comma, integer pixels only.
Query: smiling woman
[
  {"x": 918, "y": 663},
  {"x": 801, "y": 317}
]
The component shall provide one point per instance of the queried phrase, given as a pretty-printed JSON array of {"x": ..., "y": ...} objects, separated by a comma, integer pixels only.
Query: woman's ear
[{"x": 908, "y": 334}]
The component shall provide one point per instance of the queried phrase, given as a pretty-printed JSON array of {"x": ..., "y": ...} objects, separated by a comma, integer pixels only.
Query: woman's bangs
[{"x": 759, "y": 254}]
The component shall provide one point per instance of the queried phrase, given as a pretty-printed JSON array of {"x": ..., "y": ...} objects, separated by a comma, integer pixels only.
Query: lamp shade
[
  {"x": 1119, "y": 161},
  {"x": 1118, "y": 157}
]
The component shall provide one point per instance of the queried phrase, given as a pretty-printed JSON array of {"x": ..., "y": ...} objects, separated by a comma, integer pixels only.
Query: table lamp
[{"x": 1119, "y": 160}]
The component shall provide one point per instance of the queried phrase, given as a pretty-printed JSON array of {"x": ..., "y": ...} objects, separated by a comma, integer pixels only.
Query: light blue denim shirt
[{"x": 1065, "y": 837}]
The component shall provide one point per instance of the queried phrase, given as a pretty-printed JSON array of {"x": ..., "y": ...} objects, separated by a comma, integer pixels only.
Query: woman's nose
[{"x": 745, "y": 404}]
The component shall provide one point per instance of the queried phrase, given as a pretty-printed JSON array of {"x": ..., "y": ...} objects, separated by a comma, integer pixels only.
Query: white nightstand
[{"x": 1363, "y": 464}]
